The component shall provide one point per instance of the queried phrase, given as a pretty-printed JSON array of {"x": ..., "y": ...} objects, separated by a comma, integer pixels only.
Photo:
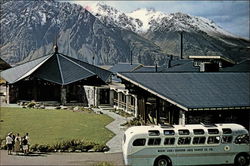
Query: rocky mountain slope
[
  {"x": 104, "y": 35},
  {"x": 29, "y": 29},
  {"x": 201, "y": 36}
]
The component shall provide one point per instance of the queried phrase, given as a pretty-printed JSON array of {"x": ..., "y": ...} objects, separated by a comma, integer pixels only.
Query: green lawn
[{"x": 52, "y": 126}]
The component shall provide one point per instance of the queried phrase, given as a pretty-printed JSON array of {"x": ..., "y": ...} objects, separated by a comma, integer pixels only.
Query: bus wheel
[
  {"x": 162, "y": 161},
  {"x": 241, "y": 160}
]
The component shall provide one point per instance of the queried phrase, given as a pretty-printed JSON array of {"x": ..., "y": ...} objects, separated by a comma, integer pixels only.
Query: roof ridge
[{"x": 60, "y": 69}]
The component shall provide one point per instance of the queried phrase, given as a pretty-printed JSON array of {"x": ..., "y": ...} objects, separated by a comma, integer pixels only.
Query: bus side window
[
  {"x": 226, "y": 139},
  {"x": 183, "y": 132},
  {"x": 198, "y": 132},
  {"x": 213, "y": 140},
  {"x": 227, "y": 131},
  {"x": 153, "y": 133},
  {"x": 169, "y": 141},
  {"x": 184, "y": 140},
  {"x": 199, "y": 140},
  {"x": 154, "y": 141},
  {"x": 242, "y": 139},
  {"x": 139, "y": 142},
  {"x": 169, "y": 132},
  {"x": 213, "y": 131}
]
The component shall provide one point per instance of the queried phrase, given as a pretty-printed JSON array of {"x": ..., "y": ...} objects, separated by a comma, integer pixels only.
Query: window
[
  {"x": 183, "y": 132},
  {"x": 198, "y": 131},
  {"x": 199, "y": 140},
  {"x": 213, "y": 140},
  {"x": 139, "y": 142},
  {"x": 169, "y": 141},
  {"x": 153, "y": 133},
  {"x": 213, "y": 131},
  {"x": 242, "y": 139},
  {"x": 154, "y": 141},
  {"x": 169, "y": 132},
  {"x": 184, "y": 140},
  {"x": 226, "y": 139},
  {"x": 227, "y": 131}
]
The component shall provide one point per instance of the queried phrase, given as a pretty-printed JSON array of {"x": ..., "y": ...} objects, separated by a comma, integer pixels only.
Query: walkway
[{"x": 115, "y": 143}]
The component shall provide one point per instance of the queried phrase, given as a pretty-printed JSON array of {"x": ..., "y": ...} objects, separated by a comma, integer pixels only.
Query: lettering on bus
[{"x": 186, "y": 150}]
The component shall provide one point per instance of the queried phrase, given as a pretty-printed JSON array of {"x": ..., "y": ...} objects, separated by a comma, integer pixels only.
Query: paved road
[{"x": 83, "y": 159}]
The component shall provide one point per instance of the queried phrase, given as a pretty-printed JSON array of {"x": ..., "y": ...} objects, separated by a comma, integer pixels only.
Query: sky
[{"x": 231, "y": 15}]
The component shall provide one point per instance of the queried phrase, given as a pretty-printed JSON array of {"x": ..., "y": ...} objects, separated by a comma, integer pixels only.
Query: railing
[{"x": 124, "y": 106}]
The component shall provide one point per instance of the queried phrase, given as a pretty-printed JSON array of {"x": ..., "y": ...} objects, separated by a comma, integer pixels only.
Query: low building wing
[{"x": 194, "y": 91}]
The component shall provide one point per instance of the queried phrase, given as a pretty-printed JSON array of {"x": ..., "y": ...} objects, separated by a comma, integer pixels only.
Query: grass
[{"x": 52, "y": 126}]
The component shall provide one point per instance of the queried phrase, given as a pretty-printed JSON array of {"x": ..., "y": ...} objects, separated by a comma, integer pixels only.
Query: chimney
[
  {"x": 131, "y": 58},
  {"x": 181, "y": 44},
  {"x": 93, "y": 58}
]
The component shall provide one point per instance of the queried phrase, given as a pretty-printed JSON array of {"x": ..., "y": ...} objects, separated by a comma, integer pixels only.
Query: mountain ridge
[
  {"x": 29, "y": 30},
  {"x": 201, "y": 35}
]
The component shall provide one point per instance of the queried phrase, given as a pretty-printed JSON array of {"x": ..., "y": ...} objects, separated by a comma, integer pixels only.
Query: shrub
[
  {"x": 71, "y": 146},
  {"x": 34, "y": 147},
  {"x": 133, "y": 122},
  {"x": 3, "y": 144},
  {"x": 31, "y": 104},
  {"x": 122, "y": 113},
  {"x": 43, "y": 148},
  {"x": 86, "y": 110}
]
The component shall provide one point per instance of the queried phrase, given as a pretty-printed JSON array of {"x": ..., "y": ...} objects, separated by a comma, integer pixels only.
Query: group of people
[{"x": 17, "y": 144}]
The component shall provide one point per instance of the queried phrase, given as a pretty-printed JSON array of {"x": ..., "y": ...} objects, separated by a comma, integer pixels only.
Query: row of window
[
  {"x": 187, "y": 132},
  {"x": 184, "y": 140}
]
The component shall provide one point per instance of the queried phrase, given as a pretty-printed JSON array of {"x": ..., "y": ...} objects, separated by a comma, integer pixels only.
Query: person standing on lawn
[
  {"x": 28, "y": 140},
  {"x": 17, "y": 144},
  {"x": 9, "y": 143},
  {"x": 25, "y": 145},
  {"x": 13, "y": 142}
]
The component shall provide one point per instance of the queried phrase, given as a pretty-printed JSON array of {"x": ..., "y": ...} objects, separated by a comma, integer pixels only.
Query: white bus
[{"x": 186, "y": 145}]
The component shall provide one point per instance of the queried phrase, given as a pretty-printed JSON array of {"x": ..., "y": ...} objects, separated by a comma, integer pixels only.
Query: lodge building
[{"x": 185, "y": 92}]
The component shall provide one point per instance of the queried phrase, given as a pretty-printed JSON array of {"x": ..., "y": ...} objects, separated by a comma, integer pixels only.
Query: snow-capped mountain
[
  {"x": 29, "y": 29},
  {"x": 112, "y": 17},
  {"x": 144, "y": 20},
  {"x": 201, "y": 35},
  {"x": 107, "y": 35}
]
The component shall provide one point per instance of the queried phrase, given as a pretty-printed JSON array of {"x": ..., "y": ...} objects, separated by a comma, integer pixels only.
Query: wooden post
[
  {"x": 7, "y": 97},
  {"x": 157, "y": 110},
  {"x": 145, "y": 98}
]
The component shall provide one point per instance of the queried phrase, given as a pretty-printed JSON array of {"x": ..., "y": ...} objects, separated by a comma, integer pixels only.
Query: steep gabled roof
[
  {"x": 57, "y": 68},
  {"x": 193, "y": 91}
]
